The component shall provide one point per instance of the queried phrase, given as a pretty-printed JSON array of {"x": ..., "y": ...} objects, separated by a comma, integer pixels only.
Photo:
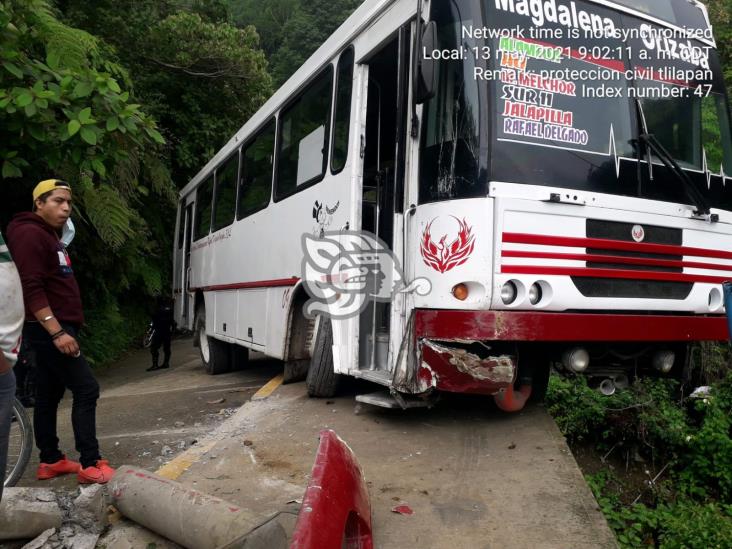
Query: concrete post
[
  {"x": 28, "y": 512},
  {"x": 185, "y": 516}
]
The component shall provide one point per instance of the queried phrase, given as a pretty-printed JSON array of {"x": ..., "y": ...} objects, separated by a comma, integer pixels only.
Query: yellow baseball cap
[{"x": 49, "y": 185}]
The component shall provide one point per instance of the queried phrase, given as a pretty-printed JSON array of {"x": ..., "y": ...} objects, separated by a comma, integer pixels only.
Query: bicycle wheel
[{"x": 20, "y": 444}]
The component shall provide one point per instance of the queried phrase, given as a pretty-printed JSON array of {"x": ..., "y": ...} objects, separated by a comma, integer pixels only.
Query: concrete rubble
[
  {"x": 54, "y": 519},
  {"x": 27, "y": 512}
]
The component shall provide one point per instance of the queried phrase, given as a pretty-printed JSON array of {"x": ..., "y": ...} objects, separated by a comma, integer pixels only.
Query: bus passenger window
[
  {"x": 256, "y": 172},
  {"x": 341, "y": 124},
  {"x": 225, "y": 200},
  {"x": 204, "y": 194},
  {"x": 303, "y": 137}
]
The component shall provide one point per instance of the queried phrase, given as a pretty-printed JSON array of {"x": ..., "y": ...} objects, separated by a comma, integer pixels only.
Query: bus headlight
[
  {"x": 509, "y": 291},
  {"x": 535, "y": 293},
  {"x": 664, "y": 360}
]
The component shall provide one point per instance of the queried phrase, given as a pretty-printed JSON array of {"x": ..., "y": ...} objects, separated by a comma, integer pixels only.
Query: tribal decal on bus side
[{"x": 443, "y": 257}]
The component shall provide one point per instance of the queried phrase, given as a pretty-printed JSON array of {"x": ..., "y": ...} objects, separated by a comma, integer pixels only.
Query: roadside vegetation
[{"x": 658, "y": 460}]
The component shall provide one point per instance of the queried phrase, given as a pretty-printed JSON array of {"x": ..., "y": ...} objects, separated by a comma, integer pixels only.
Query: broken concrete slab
[
  {"x": 28, "y": 512},
  {"x": 125, "y": 534},
  {"x": 91, "y": 508},
  {"x": 41, "y": 540},
  {"x": 82, "y": 541}
]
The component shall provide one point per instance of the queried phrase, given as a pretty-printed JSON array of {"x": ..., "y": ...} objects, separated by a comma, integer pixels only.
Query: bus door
[
  {"x": 184, "y": 275},
  {"x": 383, "y": 189}
]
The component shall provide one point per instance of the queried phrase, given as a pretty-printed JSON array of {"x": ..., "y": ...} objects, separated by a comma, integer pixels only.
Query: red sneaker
[
  {"x": 61, "y": 467},
  {"x": 100, "y": 473}
]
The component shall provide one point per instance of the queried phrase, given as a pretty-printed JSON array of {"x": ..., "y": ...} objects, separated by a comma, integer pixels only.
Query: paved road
[
  {"x": 146, "y": 418},
  {"x": 474, "y": 476}
]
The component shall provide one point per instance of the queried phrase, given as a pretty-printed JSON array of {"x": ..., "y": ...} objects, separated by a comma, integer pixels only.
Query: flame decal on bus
[{"x": 443, "y": 257}]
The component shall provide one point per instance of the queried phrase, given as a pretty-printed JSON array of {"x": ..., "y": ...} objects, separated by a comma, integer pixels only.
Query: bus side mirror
[{"x": 427, "y": 67}]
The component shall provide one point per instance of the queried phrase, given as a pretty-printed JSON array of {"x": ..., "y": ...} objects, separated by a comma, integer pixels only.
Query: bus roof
[{"x": 359, "y": 20}]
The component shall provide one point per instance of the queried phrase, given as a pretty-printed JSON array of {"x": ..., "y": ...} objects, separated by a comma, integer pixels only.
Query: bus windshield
[{"x": 557, "y": 93}]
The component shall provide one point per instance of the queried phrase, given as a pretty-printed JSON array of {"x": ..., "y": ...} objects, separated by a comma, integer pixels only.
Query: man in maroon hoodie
[{"x": 53, "y": 317}]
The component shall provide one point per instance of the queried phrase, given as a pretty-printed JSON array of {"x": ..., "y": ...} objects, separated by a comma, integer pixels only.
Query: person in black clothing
[{"x": 163, "y": 326}]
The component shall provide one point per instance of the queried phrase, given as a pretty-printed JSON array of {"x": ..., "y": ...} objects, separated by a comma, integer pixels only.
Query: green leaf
[
  {"x": 83, "y": 89},
  {"x": 98, "y": 166},
  {"x": 42, "y": 103},
  {"x": 85, "y": 115},
  {"x": 155, "y": 134},
  {"x": 37, "y": 132},
  {"x": 52, "y": 60},
  {"x": 24, "y": 99},
  {"x": 112, "y": 83},
  {"x": 73, "y": 127},
  {"x": 10, "y": 170},
  {"x": 30, "y": 110},
  {"x": 112, "y": 123},
  {"x": 89, "y": 136},
  {"x": 13, "y": 69}
]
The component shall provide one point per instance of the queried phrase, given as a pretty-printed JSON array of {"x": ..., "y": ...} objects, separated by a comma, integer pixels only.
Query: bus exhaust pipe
[
  {"x": 511, "y": 400},
  {"x": 607, "y": 387}
]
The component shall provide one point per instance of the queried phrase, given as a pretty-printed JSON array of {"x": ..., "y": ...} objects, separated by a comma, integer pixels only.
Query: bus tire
[
  {"x": 322, "y": 381},
  {"x": 214, "y": 354}
]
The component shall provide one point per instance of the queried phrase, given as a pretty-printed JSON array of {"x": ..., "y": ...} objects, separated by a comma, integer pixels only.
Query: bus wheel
[
  {"x": 322, "y": 381},
  {"x": 215, "y": 354}
]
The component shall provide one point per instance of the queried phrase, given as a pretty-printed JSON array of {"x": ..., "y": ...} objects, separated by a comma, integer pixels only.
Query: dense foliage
[
  {"x": 66, "y": 110},
  {"x": 681, "y": 448},
  {"x": 294, "y": 28}
]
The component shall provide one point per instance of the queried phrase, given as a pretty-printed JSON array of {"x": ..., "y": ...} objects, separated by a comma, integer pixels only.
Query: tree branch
[{"x": 215, "y": 74}]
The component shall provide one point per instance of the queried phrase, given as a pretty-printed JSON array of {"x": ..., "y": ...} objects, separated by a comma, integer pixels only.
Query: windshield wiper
[{"x": 690, "y": 190}]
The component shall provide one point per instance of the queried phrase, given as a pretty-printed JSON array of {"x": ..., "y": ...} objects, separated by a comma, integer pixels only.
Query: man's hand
[{"x": 67, "y": 345}]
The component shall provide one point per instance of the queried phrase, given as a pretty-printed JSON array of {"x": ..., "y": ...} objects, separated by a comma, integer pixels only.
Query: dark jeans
[
  {"x": 7, "y": 394},
  {"x": 157, "y": 341},
  {"x": 55, "y": 372}
]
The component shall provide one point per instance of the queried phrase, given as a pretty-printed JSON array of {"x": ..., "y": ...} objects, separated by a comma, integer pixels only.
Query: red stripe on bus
[
  {"x": 545, "y": 326},
  {"x": 256, "y": 284},
  {"x": 611, "y": 273},
  {"x": 648, "y": 262},
  {"x": 605, "y": 244}
]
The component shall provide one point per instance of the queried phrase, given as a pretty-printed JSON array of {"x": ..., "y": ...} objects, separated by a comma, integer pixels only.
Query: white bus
[{"x": 557, "y": 170}]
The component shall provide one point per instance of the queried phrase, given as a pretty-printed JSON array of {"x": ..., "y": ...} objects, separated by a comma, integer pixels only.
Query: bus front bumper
[{"x": 444, "y": 363}]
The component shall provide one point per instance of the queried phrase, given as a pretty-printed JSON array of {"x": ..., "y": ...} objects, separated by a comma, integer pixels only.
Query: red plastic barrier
[{"x": 335, "y": 511}]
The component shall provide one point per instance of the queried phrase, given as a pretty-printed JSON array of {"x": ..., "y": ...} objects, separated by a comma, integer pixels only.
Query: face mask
[{"x": 68, "y": 233}]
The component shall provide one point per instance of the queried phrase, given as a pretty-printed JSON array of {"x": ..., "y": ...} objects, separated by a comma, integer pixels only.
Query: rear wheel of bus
[
  {"x": 215, "y": 354},
  {"x": 322, "y": 381}
]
